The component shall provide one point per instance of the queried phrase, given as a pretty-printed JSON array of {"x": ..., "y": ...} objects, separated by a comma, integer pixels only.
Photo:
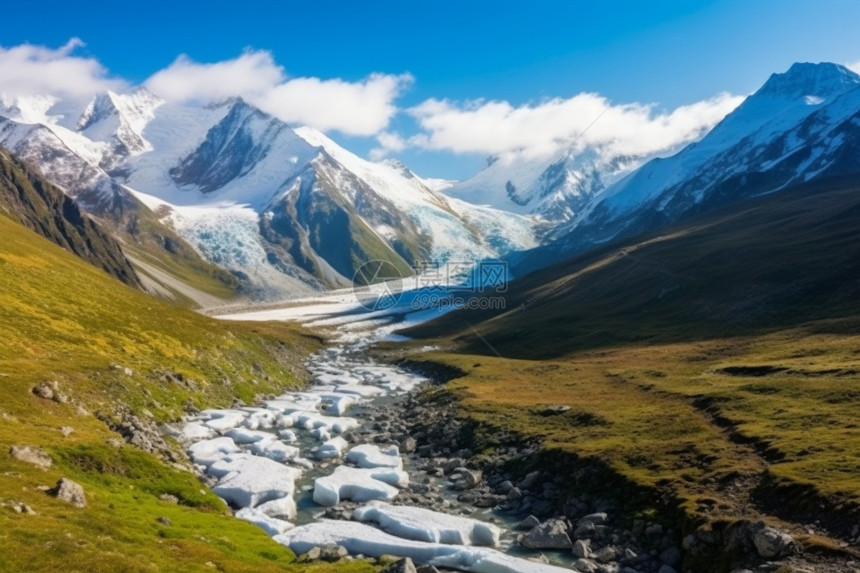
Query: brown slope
[{"x": 777, "y": 261}]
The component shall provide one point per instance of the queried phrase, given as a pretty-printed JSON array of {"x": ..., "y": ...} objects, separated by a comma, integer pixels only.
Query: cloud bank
[
  {"x": 366, "y": 107},
  {"x": 584, "y": 120},
  {"x": 362, "y": 108},
  {"x": 28, "y": 70}
]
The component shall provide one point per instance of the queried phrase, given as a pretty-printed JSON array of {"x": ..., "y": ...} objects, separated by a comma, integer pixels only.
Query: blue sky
[{"x": 523, "y": 53}]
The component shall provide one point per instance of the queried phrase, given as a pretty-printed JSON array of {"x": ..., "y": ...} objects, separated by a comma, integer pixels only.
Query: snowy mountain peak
[
  {"x": 806, "y": 79},
  {"x": 120, "y": 119},
  {"x": 27, "y": 109},
  {"x": 398, "y": 166}
]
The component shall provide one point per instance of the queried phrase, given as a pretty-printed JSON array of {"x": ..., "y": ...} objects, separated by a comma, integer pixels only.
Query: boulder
[
  {"x": 551, "y": 534},
  {"x": 332, "y": 553},
  {"x": 528, "y": 523},
  {"x": 404, "y": 565},
  {"x": 70, "y": 492},
  {"x": 581, "y": 548},
  {"x": 31, "y": 455},
  {"x": 606, "y": 554},
  {"x": 771, "y": 543},
  {"x": 595, "y": 518}
]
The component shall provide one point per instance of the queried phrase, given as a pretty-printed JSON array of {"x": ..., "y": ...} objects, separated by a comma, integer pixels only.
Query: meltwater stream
[{"x": 285, "y": 462}]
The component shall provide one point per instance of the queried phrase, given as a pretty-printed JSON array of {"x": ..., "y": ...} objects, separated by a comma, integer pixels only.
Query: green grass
[
  {"x": 65, "y": 321},
  {"x": 667, "y": 417}
]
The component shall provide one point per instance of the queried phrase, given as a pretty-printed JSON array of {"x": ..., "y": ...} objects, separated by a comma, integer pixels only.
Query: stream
[{"x": 291, "y": 464}]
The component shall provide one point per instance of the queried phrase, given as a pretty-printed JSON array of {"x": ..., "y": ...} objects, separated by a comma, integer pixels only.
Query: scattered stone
[
  {"x": 169, "y": 498},
  {"x": 585, "y": 531},
  {"x": 530, "y": 480},
  {"x": 44, "y": 390},
  {"x": 586, "y": 566},
  {"x": 771, "y": 543},
  {"x": 654, "y": 531},
  {"x": 581, "y": 548},
  {"x": 332, "y": 553},
  {"x": 554, "y": 410},
  {"x": 465, "y": 479},
  {"x": 312, "y": 555},
  {"x": 528, "y": 523},
  {"x": 595, "y": 518},
  {"x": 404, "y": 565},
  {"x": 671, "y": 556},
  {"x": 606, "y": 554},
  {"x": 70, "y": 492},
  {"x": 31, "y": 455},
  {"x": 551, "y": 534},
  {"x": 164, "y": 521},
  {"x": 408, "y": 445},
  {"x": 20, "y": 507},
  {"x": 67, "y": 431}
]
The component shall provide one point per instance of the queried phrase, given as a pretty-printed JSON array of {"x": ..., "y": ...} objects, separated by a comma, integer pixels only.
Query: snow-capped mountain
[
  {"x": 555, "y": 188},
  {"x": 800, "y": 125},
  {"x": 287, "y": 209}
]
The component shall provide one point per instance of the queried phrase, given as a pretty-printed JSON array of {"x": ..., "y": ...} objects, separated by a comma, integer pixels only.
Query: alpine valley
[{"x": 670, "y": 383}]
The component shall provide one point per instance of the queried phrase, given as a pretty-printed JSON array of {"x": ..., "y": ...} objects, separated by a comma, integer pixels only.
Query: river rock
[
  {"x": 528, "y": 523},
  {"x": 595, "y": 518},
  {"x": 464, "y": 478},
  {"x": 581, "y": 548},
  {"x": 606, "y": 554},
  {"x": 551, "y": 534},
  {"x": 671, "y": 555},
  {"x": 332, "y": 553},
  {"x": 586, "y": 566},
  {"x": 408, "y": 445}
]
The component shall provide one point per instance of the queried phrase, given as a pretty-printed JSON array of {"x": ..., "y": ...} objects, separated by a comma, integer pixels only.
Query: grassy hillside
[
  {"x": 64, "y": 321},
  {"x": 717, "y": 363}
]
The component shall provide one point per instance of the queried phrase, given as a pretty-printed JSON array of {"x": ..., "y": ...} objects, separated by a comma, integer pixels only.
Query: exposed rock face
[
  {"x": 70, "y": 492},
  {"x": 31, "y": 455},
  {"x": 42, "y": 207}
]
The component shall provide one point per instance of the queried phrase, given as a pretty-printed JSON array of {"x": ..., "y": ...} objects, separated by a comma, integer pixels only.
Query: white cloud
[
  {"x": 27, "y": 70},
  {"x": 855, "y": 67},
  {"x": 589, "y": 120},
  {"x": 355, "y": 108},
  {"x": 250, "y": 75}
]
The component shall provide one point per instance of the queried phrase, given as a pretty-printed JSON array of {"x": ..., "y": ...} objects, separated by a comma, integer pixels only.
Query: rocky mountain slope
[
  {"x": 801, "y": 125},
  {"x": 27, "y": 197}
]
